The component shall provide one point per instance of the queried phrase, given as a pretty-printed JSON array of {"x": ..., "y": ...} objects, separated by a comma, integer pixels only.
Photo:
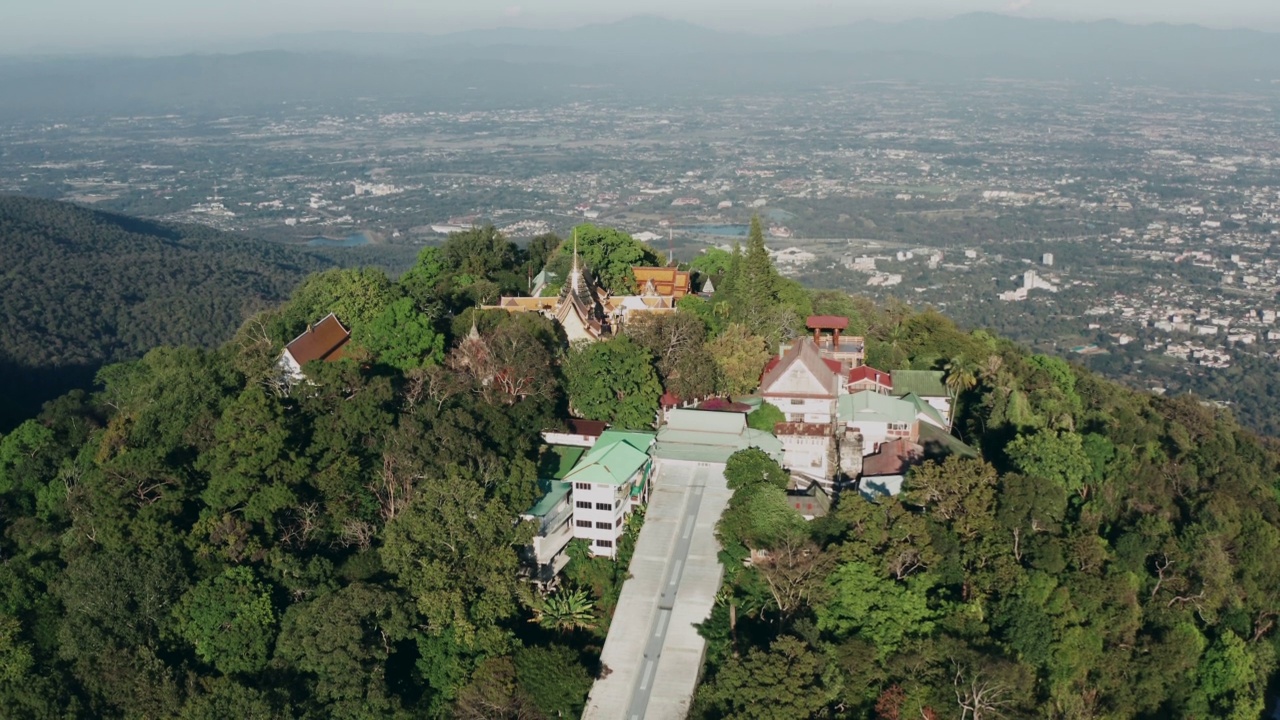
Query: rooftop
[
  {"x": 925, "y": 408},
  {"x": 868, "y": 406},
  {"x": 706, "y": 436},
  {"x": 865, "y": 373},
  {"x": 805, "y": 354},
  {"x": 894, "y": 458},
  {"x": 665, "y": 281},
  {"x": 925, "y": 383},
  {"x": 553, "y": 491},
  {"x": 827, "y": 322},
  {"x": 614, "y": 459},
  {"x": 326, "y": 340}
]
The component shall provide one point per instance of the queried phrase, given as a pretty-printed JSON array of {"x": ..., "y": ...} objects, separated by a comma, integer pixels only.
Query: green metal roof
[
  {"x": 706, "y": 421},
  {"x": 938, "y": 442},
  {"x": 641, "y": 440},
  {"x": 868, "y": 406},
  {"x": 614, "y": 459},
  {"x": 706, "y": 436},
  {"x": 925, "y": 383},
  {"x": 924, "y": 407},
  {"x": 553, "y": 492}
]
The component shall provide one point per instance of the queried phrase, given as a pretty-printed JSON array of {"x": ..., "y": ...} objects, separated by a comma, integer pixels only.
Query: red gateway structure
[{"x": 851, "y": 350}]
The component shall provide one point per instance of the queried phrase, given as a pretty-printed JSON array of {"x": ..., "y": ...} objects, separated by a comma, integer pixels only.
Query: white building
[
  {"x": 802, "y": 384},
  {"x": 608, "y": 482}
]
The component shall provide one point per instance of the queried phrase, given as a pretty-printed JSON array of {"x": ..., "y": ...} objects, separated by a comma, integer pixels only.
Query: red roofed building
[
  {"x": 719, "y": 404},
  {"x": 868, "y": 378},
  {"x": 325, "y": 341}
]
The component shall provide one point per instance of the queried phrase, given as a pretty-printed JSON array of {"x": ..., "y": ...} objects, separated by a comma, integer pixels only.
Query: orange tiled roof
[{"x": 666, "y": 281}]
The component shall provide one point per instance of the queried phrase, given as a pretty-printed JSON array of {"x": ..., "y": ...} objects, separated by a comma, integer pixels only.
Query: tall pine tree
[
  {"x": 756, "y": 286},
  {"x": 731, "y": 283}
]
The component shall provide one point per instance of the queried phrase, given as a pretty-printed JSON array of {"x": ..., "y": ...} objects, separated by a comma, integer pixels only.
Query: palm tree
[
  {"x": 961, "y": 375},
  {"x": 566, "y": 611}
]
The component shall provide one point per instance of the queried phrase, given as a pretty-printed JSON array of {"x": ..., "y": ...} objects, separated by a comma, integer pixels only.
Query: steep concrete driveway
[{"x": 653, "y": 653}]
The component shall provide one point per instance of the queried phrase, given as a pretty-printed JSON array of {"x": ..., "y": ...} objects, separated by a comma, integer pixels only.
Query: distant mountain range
[
  {"x": 971, "y": 35},
  {"x": 639, "y": 58}
]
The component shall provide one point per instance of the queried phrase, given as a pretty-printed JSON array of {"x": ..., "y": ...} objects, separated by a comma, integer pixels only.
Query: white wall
[
  {"x": 616, "y": 502},
  {"x": 875, "y": 434},
  {"x": 806, "y": 453},
  {"x": 942, "y": 405},
  {"x": 799, "y": 409}
]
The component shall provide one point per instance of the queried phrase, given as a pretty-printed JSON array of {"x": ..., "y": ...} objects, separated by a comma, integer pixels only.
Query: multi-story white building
[{"x": 605, "y": 486}]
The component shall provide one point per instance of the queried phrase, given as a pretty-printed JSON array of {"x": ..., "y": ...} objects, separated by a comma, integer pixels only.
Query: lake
[{"x": 355, "y": 240}]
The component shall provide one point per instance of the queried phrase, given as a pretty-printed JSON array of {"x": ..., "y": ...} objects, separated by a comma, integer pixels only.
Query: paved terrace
[{"x": 653, "y": 653}]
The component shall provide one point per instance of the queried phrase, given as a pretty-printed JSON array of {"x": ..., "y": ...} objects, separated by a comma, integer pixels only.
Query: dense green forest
[
  {"x": 190, "y": 541},
  {"x": 83, "y": 287}
]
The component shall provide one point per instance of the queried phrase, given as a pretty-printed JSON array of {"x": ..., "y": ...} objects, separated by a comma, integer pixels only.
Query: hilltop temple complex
[{"x": 587, "y": 311}]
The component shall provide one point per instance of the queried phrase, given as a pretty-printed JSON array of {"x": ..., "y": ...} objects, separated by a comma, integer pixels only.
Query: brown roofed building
[
  {"x": 325, "y": 341},
  {"x": 884, "y": 471}
]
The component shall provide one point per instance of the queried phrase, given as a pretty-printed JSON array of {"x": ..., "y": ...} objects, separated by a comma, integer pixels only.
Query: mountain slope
[{"x": 83, "y": 287}]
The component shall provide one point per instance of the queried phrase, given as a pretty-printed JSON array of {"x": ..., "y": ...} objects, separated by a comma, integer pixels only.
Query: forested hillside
[
  {"x": 190, "y": 541},
  {"x": 79, "y": 287},
  {"x": 1111, "y": 555}
]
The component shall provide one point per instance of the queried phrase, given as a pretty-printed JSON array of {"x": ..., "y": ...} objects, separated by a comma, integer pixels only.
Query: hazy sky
[{"x": 87, "y": 24}]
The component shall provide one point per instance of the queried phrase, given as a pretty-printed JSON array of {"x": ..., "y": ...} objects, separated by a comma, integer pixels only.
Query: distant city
[{"x": 1127, "y": 227}]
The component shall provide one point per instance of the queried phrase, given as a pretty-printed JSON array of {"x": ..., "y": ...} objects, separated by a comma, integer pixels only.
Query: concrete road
[{"x": 653, "y": 652}]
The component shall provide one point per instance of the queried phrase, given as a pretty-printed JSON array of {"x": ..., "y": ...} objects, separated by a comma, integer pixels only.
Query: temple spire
[{"x": 575, "y": 275}]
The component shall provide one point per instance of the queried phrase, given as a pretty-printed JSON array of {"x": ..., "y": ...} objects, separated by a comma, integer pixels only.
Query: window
[
  {"x": 582, "y": 523},
  {"x": 583, "y": 504},
  {"x": 604, "y": 506},
  {"x": 604, "y": 543},
  {"x": 796, "y": 402},
  {"x": 897, "y": 426},
  {"x": 604, "y": 526},
  {"x": 582, "y": 486}
]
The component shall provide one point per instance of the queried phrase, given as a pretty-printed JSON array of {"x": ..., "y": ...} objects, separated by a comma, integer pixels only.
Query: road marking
[
  {"x": 648, "y": 674},
  {"x": 688, "y": 527},
  {"x": 675, "y": 573},
  {"x": 664, "y": 617}
]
